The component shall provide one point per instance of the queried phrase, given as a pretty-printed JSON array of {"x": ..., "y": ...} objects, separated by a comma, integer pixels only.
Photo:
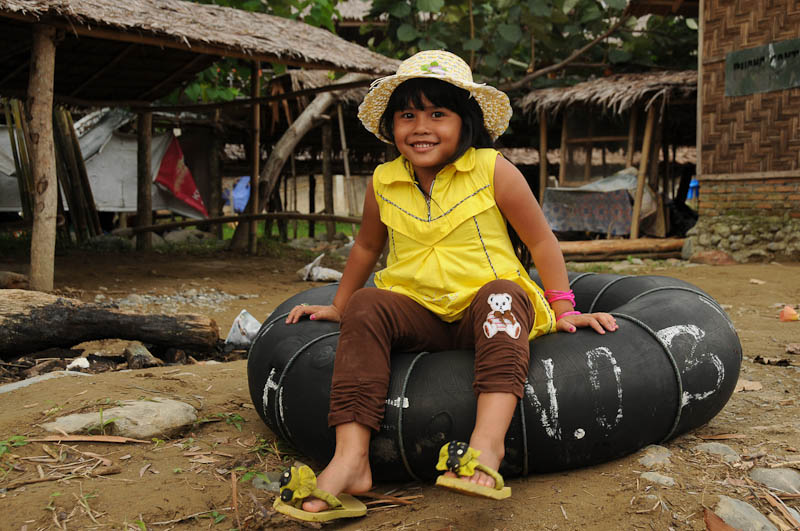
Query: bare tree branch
[{"x": 577, "y": 53}]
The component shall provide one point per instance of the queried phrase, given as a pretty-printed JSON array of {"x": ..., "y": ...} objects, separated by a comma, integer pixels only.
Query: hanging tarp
[{"x": 175, "y": 177}]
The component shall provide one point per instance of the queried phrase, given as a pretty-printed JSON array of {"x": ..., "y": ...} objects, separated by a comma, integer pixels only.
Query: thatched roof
[
  {"x": 615, "y": 93},
  {"x": 141, "y": 49}
]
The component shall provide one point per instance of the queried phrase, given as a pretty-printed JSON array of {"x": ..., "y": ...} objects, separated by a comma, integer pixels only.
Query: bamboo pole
[
  {"x": 255, "y": 91},
  {"x": 83, "y": 176},
  {"x": 542, "y": 153},
  {"x": 588, "y": 147},
  {"x": 327, "y": 177},
  {"x": 22, "y": 179},
  {"x": 640, "y": 181},
  {"x": 70, "y": 181},
  {"x": 562, "y": 171},
  {"x": 215, "y": 176},
  {"x": 39, "y": 107},
  {"x": 631, "y": 137},
  {"x": 144, "y": 180},
  {"x": 349, "y": 185}
]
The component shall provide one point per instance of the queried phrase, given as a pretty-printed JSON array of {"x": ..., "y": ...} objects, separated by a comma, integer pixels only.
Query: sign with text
[{"x": 775, "y": 66}]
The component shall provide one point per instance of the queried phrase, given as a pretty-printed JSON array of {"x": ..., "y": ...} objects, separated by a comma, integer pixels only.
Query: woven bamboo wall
[{"x": 758, "y": 132}]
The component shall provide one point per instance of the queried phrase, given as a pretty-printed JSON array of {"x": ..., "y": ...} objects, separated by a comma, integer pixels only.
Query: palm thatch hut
[
  {"x": 604, "y": 113},
  {"x": 132, "y": 53}
]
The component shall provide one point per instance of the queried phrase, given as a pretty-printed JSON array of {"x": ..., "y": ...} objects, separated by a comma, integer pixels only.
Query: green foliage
[
  {"x": 500, "y": 45},
  {"x": 14, "y": 441},
  {"x": 228, "y": 78}
]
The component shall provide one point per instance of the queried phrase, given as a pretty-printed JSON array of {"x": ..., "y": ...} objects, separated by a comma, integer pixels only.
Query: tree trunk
[
  {"x": 285, "y": 147},
  {"x": 39, "y": 111},
  {"x": 32, "y": 321},
  {"x": 617, "y": 247}
]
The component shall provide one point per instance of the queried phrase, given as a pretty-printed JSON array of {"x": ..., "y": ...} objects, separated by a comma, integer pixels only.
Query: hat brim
[{"x": 494, "y": 103}]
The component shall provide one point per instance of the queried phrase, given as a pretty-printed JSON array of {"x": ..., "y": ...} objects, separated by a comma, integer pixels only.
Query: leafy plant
[
  {"x": 100, "y": 427},
  {"x": 14, "y": 441},
  {"x": 233, "y": 419}
]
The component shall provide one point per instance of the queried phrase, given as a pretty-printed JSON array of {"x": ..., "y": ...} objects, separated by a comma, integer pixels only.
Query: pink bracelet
[
  {"x": 553, "y": 295},
  {"x": 575, "y": 312}
]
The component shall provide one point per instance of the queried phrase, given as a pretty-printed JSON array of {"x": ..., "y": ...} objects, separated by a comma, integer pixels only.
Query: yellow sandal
[
  {"x": 459, "y": 458},
  {"x": 297, "y": 484}
]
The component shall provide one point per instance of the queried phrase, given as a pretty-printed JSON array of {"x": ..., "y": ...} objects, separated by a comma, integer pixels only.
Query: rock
[
  {"x": 712, "y": 258},
  {"x": 741, "y": 515},
  {"x": 179, "y": 236},
  {"x": 728, "y": 454},
  {"x": 784, "y": 479},
  {"x": 655, "y": 456},
  {"x": 139, "y": 419},
  {"x": 658, "y": 479}
]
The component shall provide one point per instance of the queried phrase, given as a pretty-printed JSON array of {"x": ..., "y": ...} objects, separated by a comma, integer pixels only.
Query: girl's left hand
[{"x": 599, "y": 321}]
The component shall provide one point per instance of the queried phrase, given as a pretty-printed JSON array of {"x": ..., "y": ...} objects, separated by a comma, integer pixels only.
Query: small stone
[
  {"x": 658, "y": 479},
  {"x": 742, "y": 515},
  {"x": 728, "y": 454},
  {"x": 655, "y": 456},
  {"x": 712, "y": 258},
  {"x": 784, "y": 479}
]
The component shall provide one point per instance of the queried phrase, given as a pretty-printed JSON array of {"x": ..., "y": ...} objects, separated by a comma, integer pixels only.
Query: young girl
[{"x": 452, "y": 279}]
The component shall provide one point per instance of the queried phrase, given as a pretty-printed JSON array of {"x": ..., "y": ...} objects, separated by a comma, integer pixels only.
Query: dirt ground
[{"x": 195, "y": 481}]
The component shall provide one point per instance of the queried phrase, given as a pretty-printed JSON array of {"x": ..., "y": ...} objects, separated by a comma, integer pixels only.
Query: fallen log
[
  {"x": 31, "y": 321},
  {"x": 611, "y": 248}
]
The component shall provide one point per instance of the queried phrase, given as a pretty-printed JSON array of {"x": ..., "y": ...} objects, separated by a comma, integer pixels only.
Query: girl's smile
[{"x": 427, "y": 137}]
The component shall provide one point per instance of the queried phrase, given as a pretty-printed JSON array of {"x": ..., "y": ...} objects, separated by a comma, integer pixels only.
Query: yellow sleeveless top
[{"x": 443, "y": 249}]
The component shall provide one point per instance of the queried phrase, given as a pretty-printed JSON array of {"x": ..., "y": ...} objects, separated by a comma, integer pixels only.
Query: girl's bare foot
[{"x": 345, "y": 473}]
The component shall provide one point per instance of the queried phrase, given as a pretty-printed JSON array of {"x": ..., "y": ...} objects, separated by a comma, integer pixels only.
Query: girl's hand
[
  {"x": 314, "y": 312},
  {"x": 599, "y": 321}
]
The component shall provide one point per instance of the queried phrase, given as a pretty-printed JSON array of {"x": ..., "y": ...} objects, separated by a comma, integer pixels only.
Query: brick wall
[
  {"x": 769, "y": 197},
  {"x": 750, "y": 145}
]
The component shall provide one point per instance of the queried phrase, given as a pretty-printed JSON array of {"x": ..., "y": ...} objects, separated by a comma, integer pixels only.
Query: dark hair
[{"x": 442, "y": 94}]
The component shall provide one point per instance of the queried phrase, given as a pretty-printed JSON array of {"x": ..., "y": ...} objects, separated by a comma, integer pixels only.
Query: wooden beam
[
  {"x": 129, "y": 231},
  {"x": 12, "y": 74},
  {"x": 173, "y": 76},
  {"x": 105, "y": 68},
  {"x": 255, "y": 92},
  {"x": 327, "y": 177},
  {"x": 631, "y": 137},
  {"x": 542, "y": 154},
  {"x": 121, "y": 35},
  {"x": 144, "y": 180},
  {"x": 640, "y": 181},
  {"x": 562, "y": 170},
  {"x": 39, "y": 108},
  {"x": 592, "y": 139}
]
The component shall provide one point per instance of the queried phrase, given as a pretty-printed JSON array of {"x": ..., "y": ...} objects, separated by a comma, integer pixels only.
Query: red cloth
[{"x": 174, "y": 175}]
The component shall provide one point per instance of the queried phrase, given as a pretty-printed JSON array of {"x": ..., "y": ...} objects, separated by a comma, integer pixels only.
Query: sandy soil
[{"x": 194, "y": 482}]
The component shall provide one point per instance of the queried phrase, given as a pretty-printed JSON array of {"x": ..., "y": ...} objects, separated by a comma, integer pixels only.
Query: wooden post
[
  {"x": 637, "y": 201},
  {"x": 39, "y": 111},
  {"x": 255, "y": 92},
  {"x": 349, "y": 185},
  {"x": 588, "y": 148},
  {"x": 144, "y": 179},
  {"x": 327, "y": 176},
  {"x": 214, "y": 176},
  {"x": 562, "y": 170},
  {"x": 542, "y": 153},
  {"x": 631, "y": 137},
  {"x": 312, "y": 203}
]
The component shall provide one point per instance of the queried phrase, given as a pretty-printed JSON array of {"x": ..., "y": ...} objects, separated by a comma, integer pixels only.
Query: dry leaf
[
  {"x": 747, "y": 385},
  {"x": 793, "y": 348},
  {"x": 714, "y": 522},
  {"x": 757, "y": 281},
  {"x": 788, "y": 314}
]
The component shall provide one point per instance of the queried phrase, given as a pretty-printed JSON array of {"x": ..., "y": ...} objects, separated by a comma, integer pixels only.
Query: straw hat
[{"x": 436, "y": 64}]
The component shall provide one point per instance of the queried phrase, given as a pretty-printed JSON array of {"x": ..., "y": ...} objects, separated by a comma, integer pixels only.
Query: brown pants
[{"x": 376, "y": 322}]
